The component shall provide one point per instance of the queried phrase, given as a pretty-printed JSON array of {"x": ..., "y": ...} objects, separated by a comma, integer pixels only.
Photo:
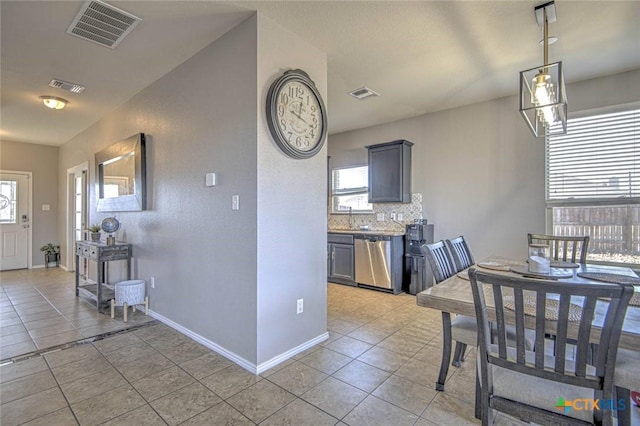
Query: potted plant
[
  {"x": 94, "y": 231},
  {"x": 51, "y": 253}
]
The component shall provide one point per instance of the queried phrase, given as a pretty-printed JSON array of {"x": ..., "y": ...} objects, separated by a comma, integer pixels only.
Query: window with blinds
[
  {"x": 596, "y": 161},
  {"x": 350, "y": 190},
  {"x": 593, "y": 185}
]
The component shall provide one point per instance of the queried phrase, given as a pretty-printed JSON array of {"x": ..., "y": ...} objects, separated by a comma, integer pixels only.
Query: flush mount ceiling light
[
  {"x": 543, "y": 99},
  {"x": 54, "y": 102}
]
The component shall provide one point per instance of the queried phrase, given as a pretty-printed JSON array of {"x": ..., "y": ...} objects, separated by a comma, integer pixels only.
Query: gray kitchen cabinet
[
  {"x": 340, "y": 259},
  {"x": 390, "y": 172}
]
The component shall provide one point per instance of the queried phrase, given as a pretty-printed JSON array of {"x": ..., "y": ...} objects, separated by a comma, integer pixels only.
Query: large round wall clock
[{"x": 296, "y": 115}]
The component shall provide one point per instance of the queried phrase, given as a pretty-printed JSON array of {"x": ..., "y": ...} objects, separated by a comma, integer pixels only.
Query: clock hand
[{"x": 298, "y": 115}]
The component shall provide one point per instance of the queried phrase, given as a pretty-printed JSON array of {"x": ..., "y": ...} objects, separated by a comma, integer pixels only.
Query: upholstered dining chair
[
  {"x": 462, "y": 257},
  {"x": 541, "y": 388},
  {"x": 564, "y": 248},
  {"x": 626, "y": 378},
  {"x": 462, "y": 327}
]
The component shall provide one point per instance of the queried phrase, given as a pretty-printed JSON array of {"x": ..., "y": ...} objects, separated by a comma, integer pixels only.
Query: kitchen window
[
  {"x": 593, "y": 184},
  {"x": 350, "y": 190}
]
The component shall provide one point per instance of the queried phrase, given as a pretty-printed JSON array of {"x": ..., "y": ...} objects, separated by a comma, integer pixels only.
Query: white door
[
  {"x": 77, "y": 180},
  {"x": 14, "y": 221}
]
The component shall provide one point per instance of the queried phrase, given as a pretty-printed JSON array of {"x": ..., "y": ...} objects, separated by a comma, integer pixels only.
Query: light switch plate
[
  {"x": 235, "y": 202},
  {"x": 380, "y": 216},
  {"x": 210, "y": 179}
]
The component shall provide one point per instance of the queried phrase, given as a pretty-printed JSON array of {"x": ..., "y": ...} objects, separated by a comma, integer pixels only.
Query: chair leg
[
  {"x": 458, "y": 355},
  {"x": 624, "y": 413},
  {"x": 446, "y": 350},
  {"x": 478, "y": 411}
]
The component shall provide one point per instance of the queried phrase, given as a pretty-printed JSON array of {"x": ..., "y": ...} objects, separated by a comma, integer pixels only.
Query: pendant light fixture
[{"x": 543, "y": 99}]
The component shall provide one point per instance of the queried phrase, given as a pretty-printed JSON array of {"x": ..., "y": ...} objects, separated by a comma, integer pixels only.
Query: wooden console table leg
[
  {"x": 446, "y": 350},
  {"x": 125, "y": 308}
]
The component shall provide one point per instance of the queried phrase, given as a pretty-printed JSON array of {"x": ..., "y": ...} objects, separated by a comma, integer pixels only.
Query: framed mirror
[{"x": 121, "y": 176}]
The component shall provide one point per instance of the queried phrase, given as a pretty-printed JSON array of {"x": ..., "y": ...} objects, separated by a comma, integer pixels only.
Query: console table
[{"x": 100, "y": 253}]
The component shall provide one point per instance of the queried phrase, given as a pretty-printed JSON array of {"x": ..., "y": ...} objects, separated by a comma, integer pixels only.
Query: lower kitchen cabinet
[{"x": 340, "y": 259}]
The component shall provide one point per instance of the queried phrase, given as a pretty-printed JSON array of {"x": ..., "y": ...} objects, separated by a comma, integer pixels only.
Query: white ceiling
[{"x": 421, "y": 56}]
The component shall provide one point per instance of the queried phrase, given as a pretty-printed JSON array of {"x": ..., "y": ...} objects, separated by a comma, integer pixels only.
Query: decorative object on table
[
  {"x": 129, "y": 293},
  {"x": 563, "y": 264},
  {"x": 51, "y": 254},
  {"x": 110, "y": 225},
  {"x": 553, "y": 274},
  {"x": 539, "y": 261},
  {"x": 94, "y": 232},
  {"x": 610, "y": 278},
  {"x": 296, "y": 115},
  {"x": 543, "y": 99}
]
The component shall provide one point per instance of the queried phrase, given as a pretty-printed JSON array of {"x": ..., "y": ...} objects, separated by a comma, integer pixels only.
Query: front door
[{"x": 14, "y": 221}]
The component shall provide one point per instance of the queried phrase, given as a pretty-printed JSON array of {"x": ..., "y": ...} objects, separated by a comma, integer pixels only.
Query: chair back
[
  {"x": 440, "y": 260},
  {"x": 565, "y": 310},
  {"x": 563, "y": 248},
  {"x": 462, "y": 257}
]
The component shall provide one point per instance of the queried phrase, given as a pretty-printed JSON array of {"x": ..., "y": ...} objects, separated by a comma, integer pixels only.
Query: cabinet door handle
[{"x": 333, "y": 254}]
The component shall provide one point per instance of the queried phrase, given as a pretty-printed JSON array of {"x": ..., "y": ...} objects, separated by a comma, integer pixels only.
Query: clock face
[{"x": 296, "y": 115}]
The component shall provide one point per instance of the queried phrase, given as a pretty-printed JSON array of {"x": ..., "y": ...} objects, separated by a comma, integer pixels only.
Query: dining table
[{"x": 454, "y": 296}]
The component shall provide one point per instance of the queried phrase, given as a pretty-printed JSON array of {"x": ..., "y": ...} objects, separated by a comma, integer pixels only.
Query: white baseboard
[{"x": 247, "y": 365}]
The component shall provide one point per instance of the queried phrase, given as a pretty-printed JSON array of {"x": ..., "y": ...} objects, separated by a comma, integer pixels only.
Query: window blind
[
  {"x": 351, "y": 180},
  {"x": 596, "y": 162}
]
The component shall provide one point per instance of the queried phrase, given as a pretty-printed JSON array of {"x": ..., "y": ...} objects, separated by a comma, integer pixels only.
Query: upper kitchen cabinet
[{"x": 390, "y": 172}]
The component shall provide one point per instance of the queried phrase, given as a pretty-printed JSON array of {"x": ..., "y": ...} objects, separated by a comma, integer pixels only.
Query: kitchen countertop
[{"x": 369, "y": 232}]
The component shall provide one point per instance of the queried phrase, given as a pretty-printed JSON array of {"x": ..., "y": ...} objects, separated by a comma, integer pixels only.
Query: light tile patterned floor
[{"x": 378, "y": 368}]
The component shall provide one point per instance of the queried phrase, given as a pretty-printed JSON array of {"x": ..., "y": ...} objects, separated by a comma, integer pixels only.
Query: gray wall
[
  {"x": 292, "y": 219},
  {"x": 478, "y": 168},
  {"x": 42, "y": 161},
  {"x": 224, "y": 275}
]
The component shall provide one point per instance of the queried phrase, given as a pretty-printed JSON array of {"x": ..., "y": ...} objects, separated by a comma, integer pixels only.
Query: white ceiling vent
[
  {"x": 102, "y": 23},
  {"x": 65, "y": 85},
  {"x": 363, "y": 93}
]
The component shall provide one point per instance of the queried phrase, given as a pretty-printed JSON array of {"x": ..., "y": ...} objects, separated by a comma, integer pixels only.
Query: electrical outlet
[
  {"x": 300, "y": 306},
  {"x": 380, "y": 217},
  {"x": 152, "y": 282},
  {"x": 393, "y": 216},
  {"x": 400, "y": 216},
  {"x": 235, "y": 202}
]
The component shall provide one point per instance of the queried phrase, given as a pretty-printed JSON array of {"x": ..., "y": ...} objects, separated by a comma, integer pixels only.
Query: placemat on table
[
  {"x": 610, "y": 278},
  {"x": 496, "y": 266},
  {"x": 563, "y": 264},
  {"x": 551, "y": 311},
  {"x": 553, "y": 274}
]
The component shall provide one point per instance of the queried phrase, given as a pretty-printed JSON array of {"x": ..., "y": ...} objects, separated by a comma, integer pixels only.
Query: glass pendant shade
[{"x": 543, "y": 100}]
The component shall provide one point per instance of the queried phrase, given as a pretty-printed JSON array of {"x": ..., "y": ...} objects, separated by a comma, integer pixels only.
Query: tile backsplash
[{"x": 409, "y": 212}]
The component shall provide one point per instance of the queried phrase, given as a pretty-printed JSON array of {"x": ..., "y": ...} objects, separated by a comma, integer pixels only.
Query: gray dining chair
[
  {"x": 462, "y": 257},
  {"x": 626, "y": 378},
  {"x": 462, "y": 328},
  {"x": 533, "y": 386},
  {"x": 564, "y": 248}
]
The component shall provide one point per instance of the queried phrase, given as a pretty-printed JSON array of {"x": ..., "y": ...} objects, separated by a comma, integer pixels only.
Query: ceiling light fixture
[
  {"x": 543, "y": 99},
  {"x": 54, "y": 102}
]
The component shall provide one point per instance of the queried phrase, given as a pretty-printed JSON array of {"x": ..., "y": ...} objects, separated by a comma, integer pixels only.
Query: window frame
[
  {"x": 593, "y": 202},
  {"x": 349, "y": 191}
]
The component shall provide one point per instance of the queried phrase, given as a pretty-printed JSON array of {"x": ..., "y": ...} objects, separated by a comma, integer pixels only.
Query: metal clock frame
[{"x": 272, "y": 113}]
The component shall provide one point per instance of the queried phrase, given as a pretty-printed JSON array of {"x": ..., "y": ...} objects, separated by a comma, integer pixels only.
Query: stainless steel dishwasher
[{"x": 373, "y": 260}]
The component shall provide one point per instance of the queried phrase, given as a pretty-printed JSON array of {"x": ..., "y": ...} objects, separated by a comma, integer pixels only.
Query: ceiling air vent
[
  {"x": 65, "y": 85},
  {"x": 102, "y": 24},
  {"x": 363, "y": 93}
]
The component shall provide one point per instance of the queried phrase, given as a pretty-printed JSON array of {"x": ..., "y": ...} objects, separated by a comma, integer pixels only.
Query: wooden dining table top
[{"x": 454, "y": 295}]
